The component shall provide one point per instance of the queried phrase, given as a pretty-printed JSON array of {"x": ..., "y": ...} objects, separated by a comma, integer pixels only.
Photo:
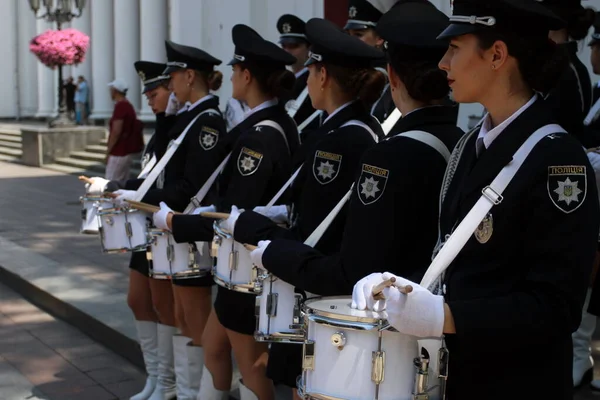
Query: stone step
[
  {"x": 10, "y": 131},
  {"x": 9, "y": 137},
  {"x": 7, "y": 158},
  {"x": 11, "y": 152},
  {"x": 95, "y": 167},
  {"x": 12, "y": 145},
  {"x": 97, "y": 157},
  {"x": 69, "y": 170},
  {"x": 96, "y": 148}
]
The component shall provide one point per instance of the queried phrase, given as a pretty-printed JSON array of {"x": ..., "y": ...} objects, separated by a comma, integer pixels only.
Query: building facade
[{"x": 124, "y": 31}]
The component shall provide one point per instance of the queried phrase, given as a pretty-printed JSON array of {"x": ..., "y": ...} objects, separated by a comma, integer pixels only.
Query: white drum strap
[
  {"x": 386, "y": 87},
  {"x": 593, "y": 114},
  {"x": 308, "y": 120},
  {"x": 390, "y": 121},
  {"x": 316, "y": 235},
  {"x": 298, "y": 102},
  {"x": 278, "y": 127},
  {"x": 153, "y": 175},
  {"x": 362, "y": 125},
  {"x": 148, "y": 167},
  {"x": 430, "y": 140},
  {"x": 283, "y": 189},
  {"x": 196, "y": 201},
  {"x": 492, "y": 195}
]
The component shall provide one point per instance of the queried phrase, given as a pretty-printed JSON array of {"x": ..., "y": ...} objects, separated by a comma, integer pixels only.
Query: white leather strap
[
  {"x": 196, "y": 201},
  {"x": 390, "y": 121},
  {"x": 593, "y": 114},
  {"x": 491, "y": 195},
  {"x": 430, "y": 140},
  {"x": 362, "y": 125},
  {"x": 308, "y": 120},
  {"x": 278, "y": 127},
  {"x": 149, "y": 181},
  {"x": 316, "y": 235},
  {"x": 298, "y": 102},
  {"x": 374, "y": 106},
  {"x": 148, "y": 167},
  {"x": 283, "y": 189}
]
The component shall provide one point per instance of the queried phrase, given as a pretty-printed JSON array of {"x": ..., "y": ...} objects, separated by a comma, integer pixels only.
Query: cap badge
[
  {"x": 352, "y": 12},
  {"x": 287, "y": 28},
  {"x": 142, "y": 75}
]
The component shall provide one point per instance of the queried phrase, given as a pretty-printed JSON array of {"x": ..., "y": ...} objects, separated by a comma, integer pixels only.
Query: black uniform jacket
[
  {"x": 392, "y": 221},
  {"x": 326, "y": 175},
  {"x": 571, "y": 99},
  {"x": 260, "y": 163},
  {"x": 517, "y": 297},
  {"x": 591, "y": 136}
]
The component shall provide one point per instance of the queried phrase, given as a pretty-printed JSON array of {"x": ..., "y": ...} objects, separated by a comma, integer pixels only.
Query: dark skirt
[{"x": 236, "y": 311}]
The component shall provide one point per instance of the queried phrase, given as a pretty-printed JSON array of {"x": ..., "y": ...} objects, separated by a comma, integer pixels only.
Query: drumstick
[
  {"x": 138, "y": 205},
  {"x": 250, "y": 247},
  {"x": 85, "y": 179},
  {"x": 377, "y": 291},
  {"x": 110, "y": 194},
  {"x": 215, "y": 215}
]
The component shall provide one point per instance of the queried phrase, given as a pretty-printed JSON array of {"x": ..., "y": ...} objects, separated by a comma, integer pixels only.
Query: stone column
[
  {"x": 127, "y": 46},
  {"x": 47, "y": 81},
  {"x": 153, "y": 29},
  {"x": 27, "y": 62},
  {"x": 84, "y": 25},
  {"x": 102, "y": 52}
]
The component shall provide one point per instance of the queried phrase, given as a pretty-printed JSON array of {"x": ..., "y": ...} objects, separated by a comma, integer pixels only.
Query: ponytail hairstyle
[
  {"x": 212, "y": 79},
  {"x": 541, "y": 61},
  {"x": 580, "y": 22},
  {"x": 276, "y": 81},
  {"x": 366, "y": 84}
]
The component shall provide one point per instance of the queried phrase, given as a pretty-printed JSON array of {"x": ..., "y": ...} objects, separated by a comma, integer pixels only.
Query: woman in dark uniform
[
  {"x": 260, "y": 163},
  {"x": 150, "y": 323},
  {"x": 341, "y": 80},
  {"x": 188, "y": 169},
  {"x": 513, "y": 295}
]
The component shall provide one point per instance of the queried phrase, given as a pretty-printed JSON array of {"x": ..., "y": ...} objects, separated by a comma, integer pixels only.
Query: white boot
[
  {"x": 148, "y": 338},
  {"x": 181, "y": 366},
  {"x": 583, "y": 362},
  {"x": 165, "y": 387},
  {"x": 207, "y": 388},
  {"x": 246, "y": 394},
  {"x": 195, "y": 357}
]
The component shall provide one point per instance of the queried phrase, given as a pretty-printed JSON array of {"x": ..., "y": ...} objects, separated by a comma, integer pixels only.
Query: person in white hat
[{"x": 125, "y": 138}]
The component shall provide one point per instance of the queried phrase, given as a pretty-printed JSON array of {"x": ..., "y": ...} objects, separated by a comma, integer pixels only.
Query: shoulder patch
[
  {"x": 371, "y": 183},
  {"x": 209, "y": 137},
  {"x": 248, "y": 161},
  {"x": 567, "y": 186},
  {"x": 326, "y": 166}
]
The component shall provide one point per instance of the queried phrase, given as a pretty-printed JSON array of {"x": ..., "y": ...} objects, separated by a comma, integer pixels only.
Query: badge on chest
[
  {"x": 371, "y": 184},
  {"x": 248, "y": 161},
  {"x": 567, "y": 186},
  {"x": 326, "y": 166},
  {"x": 208, "y": 138},
  {"x": 484, "y": 231}
]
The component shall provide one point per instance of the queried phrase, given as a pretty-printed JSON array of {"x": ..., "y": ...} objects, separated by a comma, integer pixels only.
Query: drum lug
[
  {"x": 84, "y": 214},
  {"x": 422, "y": 373},
  {"x": 257, "y": 309},
  {"x": 149, "y": 255},
  {"x": 170, "y": 253},
  {"x": 338, "y": 339},
  {"x": 214, "y": 247},
  {"x": 233, "y": 260},
  {"x": 272, "y": 304},
  {"x": 308, "y": 356},
  {"x": 109, "y": 221},
  {"x": 297, "y": 310},
  {"x": 128, "y": 229},
  {"x": 378, "y": 367}
]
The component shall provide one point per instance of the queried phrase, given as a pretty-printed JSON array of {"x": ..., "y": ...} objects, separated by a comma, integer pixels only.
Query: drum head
[{"x": 338, "y": 307}]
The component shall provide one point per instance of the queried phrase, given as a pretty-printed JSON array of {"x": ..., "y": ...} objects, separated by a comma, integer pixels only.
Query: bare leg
[
  {"x": 193, "y": 307},
  {"x": 139, "y": 297},
  {"x": 162, "y": 301},
  {"x": 247, "y": 351},
  {"x": 217, "y": 353}
]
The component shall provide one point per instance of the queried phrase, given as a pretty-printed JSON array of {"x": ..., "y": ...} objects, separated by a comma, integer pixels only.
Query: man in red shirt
[{"x": 125, "y": 138}]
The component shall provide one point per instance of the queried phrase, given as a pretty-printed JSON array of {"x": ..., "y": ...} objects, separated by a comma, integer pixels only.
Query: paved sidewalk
[{"x": 44, "y": 358}]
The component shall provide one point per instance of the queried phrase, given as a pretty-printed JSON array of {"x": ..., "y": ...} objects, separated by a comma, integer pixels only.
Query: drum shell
[
  {"x": 286, "y": 302},
  {"x": 89, "y": 213},
  {"x": 113, "y": 231},
  {"x": 233, "y": 268}
]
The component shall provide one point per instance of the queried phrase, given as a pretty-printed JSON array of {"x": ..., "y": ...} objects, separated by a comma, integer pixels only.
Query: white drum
[
  {"x": 233, "y": 269},
  {"x": 123, "y": 229},
  {"x": 278, "y": 312},
  {"x": 352, "y": 354},
  {"x": 90, "y": 203},
  {"x": 171, "y": 260}
]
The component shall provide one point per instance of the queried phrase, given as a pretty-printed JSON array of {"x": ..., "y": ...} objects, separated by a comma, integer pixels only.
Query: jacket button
[{"x": 444, "y": 288}]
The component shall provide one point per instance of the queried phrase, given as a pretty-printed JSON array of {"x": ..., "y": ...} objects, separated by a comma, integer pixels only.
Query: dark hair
[
  {"x": 366, "y": 84},
  {"x": 423, "y": 79},
  {"x": 541, "y": 61},
  {"x": 579, "y": 23},
  {"x": 275, "y": 81},
  {"x": 212, "y": 79}
]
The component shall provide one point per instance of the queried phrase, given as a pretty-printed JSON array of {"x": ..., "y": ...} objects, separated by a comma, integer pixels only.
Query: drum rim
[
  {"x": 341, "y": 317},
  {"x": 94, "y": 197},
  {"x": 116, "y": 211},
  {"x": 221, "y": 232}
]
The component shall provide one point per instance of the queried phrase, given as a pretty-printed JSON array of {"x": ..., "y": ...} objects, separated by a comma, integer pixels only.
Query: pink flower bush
[{"x": 64, "y": 47}]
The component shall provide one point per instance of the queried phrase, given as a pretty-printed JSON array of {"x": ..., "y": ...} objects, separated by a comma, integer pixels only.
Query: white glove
[
  {"x": 595, "y": 161},
  {"x": 362, "y": 297},
  {"x": 278, "y": 214},
  {"x": 97, "y": 186},
  {"x": 160, "y": 217},
  {"x": 172, "y": 105},
  {"x": 229, "y": 223},
  {"x": 123, "y": 195},
  {"x": 256, "y": 254},
  {"x": 419, "y": 313},
  {"x": 200, "y": 210}
]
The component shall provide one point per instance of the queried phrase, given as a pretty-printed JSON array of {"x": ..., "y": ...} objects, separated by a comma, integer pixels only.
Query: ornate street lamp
[{"x": 60, "y": 13}]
